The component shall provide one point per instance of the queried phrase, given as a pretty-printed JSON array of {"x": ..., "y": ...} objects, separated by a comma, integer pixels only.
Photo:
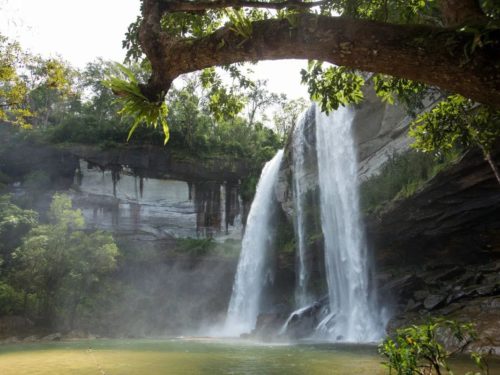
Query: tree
[
  {"x": 14, "y": 224},
  {"x": 458, "y": 121},
  {"x": 410, "y": 45},
  {"x": 60, "y": 263},
  {"x": 286, "y": 116},
  {"x": 30, "y": 86},
  {"x": 259, "y": 99},
  {"x": 435, "y": 42}
]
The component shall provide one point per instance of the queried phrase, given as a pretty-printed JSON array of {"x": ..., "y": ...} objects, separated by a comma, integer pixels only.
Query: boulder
[{"x": 433, "y": 301}]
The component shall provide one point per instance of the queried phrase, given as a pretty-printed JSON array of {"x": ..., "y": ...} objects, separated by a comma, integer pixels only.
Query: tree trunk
[
  {"x": 460, "y": 12},
  {"x": 435, "y": 56}
]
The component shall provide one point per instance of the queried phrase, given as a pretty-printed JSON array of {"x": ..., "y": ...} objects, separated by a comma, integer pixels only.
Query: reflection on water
[{"x": 189, "y": 357}]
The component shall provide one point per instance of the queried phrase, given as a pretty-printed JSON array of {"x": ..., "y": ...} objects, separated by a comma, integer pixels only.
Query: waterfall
[
  {"x": 251, "y": 272},
  {"x": 352, "y": 318},
  {"x": 302, "y": 297}
]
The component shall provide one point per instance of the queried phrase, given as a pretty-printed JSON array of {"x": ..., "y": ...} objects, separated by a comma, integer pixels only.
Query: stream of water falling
[
  {"x": 353, "y": 317},
  {"x": 250, "y": 274},
  {"x": 302, "y": 296}
]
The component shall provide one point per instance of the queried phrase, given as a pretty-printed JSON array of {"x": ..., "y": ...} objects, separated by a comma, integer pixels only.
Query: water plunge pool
[{"x": 192, "y": 356}]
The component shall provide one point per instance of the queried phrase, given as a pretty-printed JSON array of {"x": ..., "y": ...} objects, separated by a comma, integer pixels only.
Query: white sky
[{"x": 80, "y": 31}]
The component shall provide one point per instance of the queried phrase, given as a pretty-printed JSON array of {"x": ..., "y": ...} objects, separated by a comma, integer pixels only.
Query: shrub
[{"x": 417, "y": 349}]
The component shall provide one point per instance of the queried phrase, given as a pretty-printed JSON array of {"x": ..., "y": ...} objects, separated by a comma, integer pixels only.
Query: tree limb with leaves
[{"x": 453, "y": 45}]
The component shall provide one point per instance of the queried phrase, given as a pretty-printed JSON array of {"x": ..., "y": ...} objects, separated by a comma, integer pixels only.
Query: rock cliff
[{"x": 138, "y": 193}]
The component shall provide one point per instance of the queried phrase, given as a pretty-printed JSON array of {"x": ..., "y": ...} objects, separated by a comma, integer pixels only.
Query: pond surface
[{"x": 189, "y": 357}]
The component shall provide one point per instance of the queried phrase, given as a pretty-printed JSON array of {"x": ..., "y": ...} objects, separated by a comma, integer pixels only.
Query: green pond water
[{"x": 189, "y": 357}]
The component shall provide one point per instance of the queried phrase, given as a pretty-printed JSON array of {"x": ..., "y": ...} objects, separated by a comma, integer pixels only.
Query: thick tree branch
[
  {"x": 196, "y": 6},
  {"x": 434, "y": 56}
]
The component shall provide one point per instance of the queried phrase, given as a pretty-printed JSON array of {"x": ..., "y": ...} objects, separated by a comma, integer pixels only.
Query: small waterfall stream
[
  {"x": 250, "y": 274},
  {"x": 352, "y": 317},
  {"x": 302, "y": 296}
]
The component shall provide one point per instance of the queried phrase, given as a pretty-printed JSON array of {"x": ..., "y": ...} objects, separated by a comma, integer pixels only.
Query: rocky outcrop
[
  {"x": 141, "y": 194},
  {"x": 154, "y": 209},
  {"x": 462, "y": 203},
  {"x": 438, "y": 252}
]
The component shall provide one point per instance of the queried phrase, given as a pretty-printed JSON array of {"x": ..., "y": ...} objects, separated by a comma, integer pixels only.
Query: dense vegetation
[
  {"x": 79, "y": 108},
  {"x": 52, "y": 272}
]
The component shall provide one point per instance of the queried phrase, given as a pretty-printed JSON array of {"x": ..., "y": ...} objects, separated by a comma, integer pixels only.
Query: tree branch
[
  {"x": 431, "y": 55},
  {"x": 197, "y": 6}
]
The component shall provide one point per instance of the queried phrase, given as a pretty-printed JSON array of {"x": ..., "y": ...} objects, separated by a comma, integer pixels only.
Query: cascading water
[
  {"x": 353, "y": 317},
  {"x": 250, "y": 274},
  {"x": 302, "y": 296}
]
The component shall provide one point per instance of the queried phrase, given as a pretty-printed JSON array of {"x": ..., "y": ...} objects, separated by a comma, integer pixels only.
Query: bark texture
[
  {"x": 435, "y": 56},
  {"x": 459, "y": 12}
]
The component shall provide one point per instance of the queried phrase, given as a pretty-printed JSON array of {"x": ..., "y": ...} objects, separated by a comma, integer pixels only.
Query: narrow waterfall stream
[
  {"x": 250, "y": 275},
  {"x": 302, "y": 296},
  {"x": 353, "y": 317}
]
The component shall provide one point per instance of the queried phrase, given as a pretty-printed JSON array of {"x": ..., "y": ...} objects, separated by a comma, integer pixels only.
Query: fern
[
  {"x": 135, "y": 104},
  {"x": 240, "y": 24}
]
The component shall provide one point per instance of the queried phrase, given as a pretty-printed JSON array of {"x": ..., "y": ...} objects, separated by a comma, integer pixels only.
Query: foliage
[
  {"x": 196, "y": 247},
  {"x": 14, "y": 224},
  {"x": 13, "y": 89},
  {"x": 23, "y": 77},
  {"x": 401, "y": 176},
  {"x": 287, "y": 115},
  {"x": 136, "y": 105},
  {"x": 456, "y": 121},
  {"x": 418, "y": 350},
  {"x": 61, "y": 263},
  {"x": 187, "y": 25},
  {"x": 223, "y": 102},
  {"x": 410, "y": 94},
  {"x": 332, "y": 86},
  {"x": 412, "y": 11},
  {"x": 11, "y": 300}
]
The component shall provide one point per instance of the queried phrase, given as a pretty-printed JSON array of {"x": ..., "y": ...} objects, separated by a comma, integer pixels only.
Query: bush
[{"x": 417, "y": 350}]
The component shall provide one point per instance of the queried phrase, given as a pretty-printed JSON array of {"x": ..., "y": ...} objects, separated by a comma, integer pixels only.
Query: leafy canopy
[
  {"x": 456, "y": 121},
  {"x": 22, "y": 76},
  {"x": 59, "y": 261}
]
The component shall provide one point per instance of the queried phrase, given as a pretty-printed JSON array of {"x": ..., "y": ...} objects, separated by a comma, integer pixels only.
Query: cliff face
[
  {"x": 434, "y": 253},
  {"x": 438, "y": 252},
  {"x": 142, "y": 194}
]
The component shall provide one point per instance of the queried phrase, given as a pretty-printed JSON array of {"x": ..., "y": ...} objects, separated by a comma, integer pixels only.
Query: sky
[{"x": 80, "y": 31}]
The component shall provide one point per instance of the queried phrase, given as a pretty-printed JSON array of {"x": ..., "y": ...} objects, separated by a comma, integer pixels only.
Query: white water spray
[
  {"x": 352, "y": 318},
  {"x": 250, "y": 275}
]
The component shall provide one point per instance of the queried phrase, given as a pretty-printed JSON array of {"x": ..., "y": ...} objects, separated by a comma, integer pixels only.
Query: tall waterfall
[
  {"x": 352, "y": 316},
  {"x": 251, "y": 272},
  {"x": 302, "y": 296}
]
